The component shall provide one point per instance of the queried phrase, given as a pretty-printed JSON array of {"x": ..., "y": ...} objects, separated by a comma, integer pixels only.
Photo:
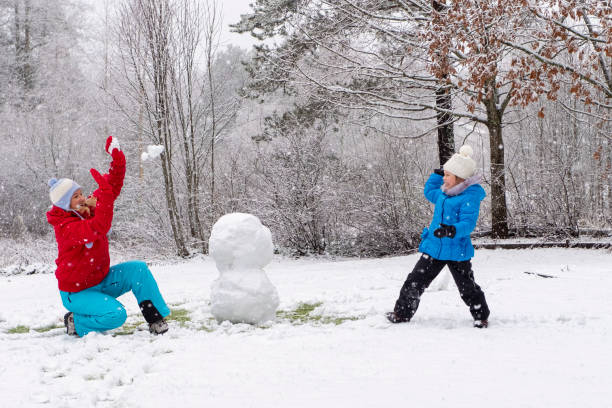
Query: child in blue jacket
[{"x": 457, "y": 195}]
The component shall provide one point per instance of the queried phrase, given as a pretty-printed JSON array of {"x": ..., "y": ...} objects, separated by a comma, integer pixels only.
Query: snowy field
[{"x": 549, "y": 343}]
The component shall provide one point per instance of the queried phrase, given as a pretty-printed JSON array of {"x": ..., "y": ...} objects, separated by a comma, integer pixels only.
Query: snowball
[
  {"x": 240, "y": 241},
  {"x": 241, "y": 247},
  {"x": 153, "y": 151},
  {"x": 114, "y": 144}
]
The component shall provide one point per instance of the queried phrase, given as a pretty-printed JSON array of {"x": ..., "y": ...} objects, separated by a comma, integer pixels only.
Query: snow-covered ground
[{"x": 549, "y": 343}]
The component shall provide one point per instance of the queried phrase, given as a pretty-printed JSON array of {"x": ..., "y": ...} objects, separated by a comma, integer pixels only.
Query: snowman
[{"x": 241, "y": 247}]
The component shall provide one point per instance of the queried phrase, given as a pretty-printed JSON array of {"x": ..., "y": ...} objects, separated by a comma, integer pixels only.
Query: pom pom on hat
[
  {"x": 61, "y": 192},
  {"x": 461, "y": 164},
  {"x": 466, "y": 151}
]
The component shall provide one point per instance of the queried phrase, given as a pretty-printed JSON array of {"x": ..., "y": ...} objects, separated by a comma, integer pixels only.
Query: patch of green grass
[
  {"x": 179, "y": 315},
  {"x": 25, "y": 329},
  {"x": 339, "y": 320},
  {"x": 302, "y": 315},
  {"x": 127, "y": 329},
  {"x": 48, "y": 328},
  {"x": 19, "y": 330},
  {"x": 207, "y": 326}
]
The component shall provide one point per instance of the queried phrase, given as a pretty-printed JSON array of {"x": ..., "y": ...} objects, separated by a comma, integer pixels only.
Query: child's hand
[{"x": 445, "y": 231}]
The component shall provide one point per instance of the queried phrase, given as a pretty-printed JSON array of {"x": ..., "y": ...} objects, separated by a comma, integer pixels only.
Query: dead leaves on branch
[{"x": 529, "y": 46}]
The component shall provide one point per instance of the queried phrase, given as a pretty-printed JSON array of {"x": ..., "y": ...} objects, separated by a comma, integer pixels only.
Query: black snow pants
[{"x": 424, "y": 272}]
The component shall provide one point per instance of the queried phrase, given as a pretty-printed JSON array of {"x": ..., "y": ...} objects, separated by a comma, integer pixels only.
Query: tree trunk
[
  {"x": 213, "y": 132},
  {"x": 175, "y": 225},
  {"x": 499, "y": 211},
  {"x": 446, "y": 136},
  {"x": 165, "y": 135},
  {"x": 23, "y": 46},
  {"x": 161, "y": 60}
]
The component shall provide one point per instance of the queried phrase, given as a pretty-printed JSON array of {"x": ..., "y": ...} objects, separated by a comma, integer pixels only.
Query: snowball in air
[{"x": 153, "y": 151}]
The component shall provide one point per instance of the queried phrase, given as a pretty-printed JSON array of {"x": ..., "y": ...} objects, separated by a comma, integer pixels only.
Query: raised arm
[
  {"x": 116, "y": 172},
  {"x": 432, "y": 187}
]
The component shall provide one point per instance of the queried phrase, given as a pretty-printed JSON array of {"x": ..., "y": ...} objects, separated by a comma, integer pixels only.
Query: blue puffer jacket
[{"x": 460, "y": 210}]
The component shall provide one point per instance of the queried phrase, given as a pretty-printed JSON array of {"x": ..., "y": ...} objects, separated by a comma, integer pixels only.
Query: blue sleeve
[
  {"x": 468, "y": 215},
  {"x": 432, "y": 187}
]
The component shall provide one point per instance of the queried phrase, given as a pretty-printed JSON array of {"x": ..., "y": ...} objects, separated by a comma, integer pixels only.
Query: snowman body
[{"x": 241, "y": 247}]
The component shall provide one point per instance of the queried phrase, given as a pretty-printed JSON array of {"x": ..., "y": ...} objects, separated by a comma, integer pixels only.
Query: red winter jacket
[{"x": 83, "y": 260}]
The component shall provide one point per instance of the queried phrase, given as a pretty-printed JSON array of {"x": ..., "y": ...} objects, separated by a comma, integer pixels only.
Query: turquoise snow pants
[{"x": 97, "y": 309}]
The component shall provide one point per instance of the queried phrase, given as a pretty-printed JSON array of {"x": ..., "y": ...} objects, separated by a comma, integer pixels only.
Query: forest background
[{"x": 326, "y": 130}]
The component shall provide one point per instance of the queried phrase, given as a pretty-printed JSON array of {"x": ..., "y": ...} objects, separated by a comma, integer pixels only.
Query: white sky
[{"x": 232, "y": 9}]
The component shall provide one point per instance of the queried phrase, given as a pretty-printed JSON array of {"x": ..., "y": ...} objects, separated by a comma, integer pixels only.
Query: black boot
[
  {"x": 481, "y": 324},
  {"x": 157, "y": 324},
  {"x": 69, "y": 323},
  {"x": 158, "y": 327},
  {"x": 395, "y": 318}
]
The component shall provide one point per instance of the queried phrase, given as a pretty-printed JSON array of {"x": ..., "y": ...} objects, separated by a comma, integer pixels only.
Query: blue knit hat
[{"x": 61, "y": 192}]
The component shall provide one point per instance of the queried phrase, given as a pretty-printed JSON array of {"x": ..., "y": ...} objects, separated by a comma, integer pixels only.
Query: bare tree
[
  {"x": 211, "y": 36},
  {"x": 170, "y": 65},
  {"x": 146, "y": 30},
  {"x": 188, "y": 105}
]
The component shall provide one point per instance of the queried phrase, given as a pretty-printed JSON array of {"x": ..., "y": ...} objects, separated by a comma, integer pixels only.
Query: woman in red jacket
[{"x": 88, "y": 284}]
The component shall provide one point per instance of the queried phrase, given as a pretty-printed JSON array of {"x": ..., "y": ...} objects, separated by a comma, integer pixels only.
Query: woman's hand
[
  {"x": 114, "y": 149},
  {"x": 101, "y": 180},
  {"x": 91, "y": 201},
  {"x": 83, "y": 209}
]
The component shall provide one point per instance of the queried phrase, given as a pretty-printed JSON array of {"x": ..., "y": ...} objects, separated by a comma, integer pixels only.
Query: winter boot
[
  {"x": 481, "y": 324},
  {"x": 158, "y": 327},
  {"x": 395, "y": 318},
  {"x": 157, "y": 324},
  {"x": 69, "y": 323}
]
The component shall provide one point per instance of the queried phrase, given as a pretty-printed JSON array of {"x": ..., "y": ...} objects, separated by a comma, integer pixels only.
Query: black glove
[
  {"x": 439, "y": 172},
  {"x": 445, "y": 231}
]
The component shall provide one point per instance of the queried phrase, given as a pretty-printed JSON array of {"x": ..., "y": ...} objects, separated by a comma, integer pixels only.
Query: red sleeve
[{"x": 115, "y": 176}]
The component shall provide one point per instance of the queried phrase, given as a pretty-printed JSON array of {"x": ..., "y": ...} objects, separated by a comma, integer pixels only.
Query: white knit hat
[
  {"x": 461, "y": 164},
  {"x": 61, "y": 192}
]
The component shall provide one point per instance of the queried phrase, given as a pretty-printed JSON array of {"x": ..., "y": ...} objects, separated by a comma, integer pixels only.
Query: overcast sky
[{"x": 232, "y": 9}]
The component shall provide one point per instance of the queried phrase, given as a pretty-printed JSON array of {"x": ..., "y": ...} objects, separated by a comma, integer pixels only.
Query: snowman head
[{"x": 240, "y": 241}]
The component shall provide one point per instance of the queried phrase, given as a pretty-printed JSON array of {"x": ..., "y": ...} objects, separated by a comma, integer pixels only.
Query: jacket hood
[
  {"x": 56, "y": 216},
  {"x": 465, "y": 184}
]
